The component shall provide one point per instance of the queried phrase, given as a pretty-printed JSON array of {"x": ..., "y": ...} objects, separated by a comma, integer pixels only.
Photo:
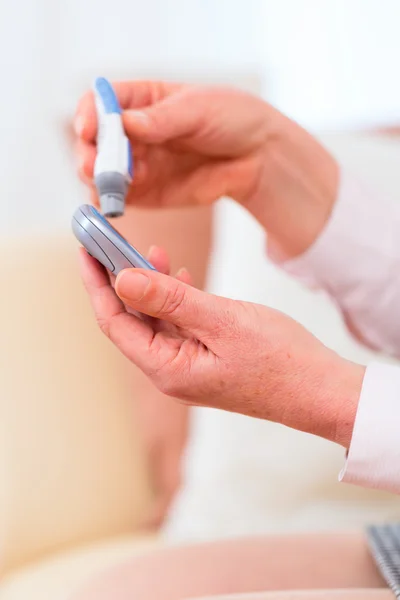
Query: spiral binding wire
[{"x": 384, "y": 543}]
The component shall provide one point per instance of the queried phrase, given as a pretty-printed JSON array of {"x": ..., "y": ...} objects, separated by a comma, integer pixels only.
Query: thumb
[
  {"x": 175, "y": 116},
  {"x": 169, "y": 299}
]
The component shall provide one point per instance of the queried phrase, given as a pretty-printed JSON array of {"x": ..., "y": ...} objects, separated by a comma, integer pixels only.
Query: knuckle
[
  {"x": 103, "y": 325},
  {"x": 174, "y": 389},
  {"x": 163, "y": 376},
  {"x": 175, "y": 384},
  {"x": 174, "y": 299},
  {"x": 108, "y": 325},
  {"x": 167, "y": 380},
  {"x": 167, "y": 387}
]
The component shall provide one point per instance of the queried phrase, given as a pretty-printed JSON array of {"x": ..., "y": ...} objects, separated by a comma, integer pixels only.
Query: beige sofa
[{"x": 72, "y": 470}]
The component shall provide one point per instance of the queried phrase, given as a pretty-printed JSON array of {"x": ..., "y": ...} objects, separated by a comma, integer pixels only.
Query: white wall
[{"x": 333, "y": 63}]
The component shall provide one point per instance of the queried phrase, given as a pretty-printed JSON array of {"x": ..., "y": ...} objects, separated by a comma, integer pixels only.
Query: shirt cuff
[
  {"x": 373, "y": 458},
  {"x": 356, "y": 261}
]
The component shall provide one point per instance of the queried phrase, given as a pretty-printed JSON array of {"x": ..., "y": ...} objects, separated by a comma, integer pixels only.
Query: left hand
[{"x": 237, "y": 356}]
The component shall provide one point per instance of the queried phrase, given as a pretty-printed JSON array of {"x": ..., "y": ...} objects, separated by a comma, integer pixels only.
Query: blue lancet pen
[{"x": 113, "y": 169}]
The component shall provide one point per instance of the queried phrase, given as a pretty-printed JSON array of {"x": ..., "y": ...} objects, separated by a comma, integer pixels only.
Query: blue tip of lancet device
[{"x": 108, "y": 97}]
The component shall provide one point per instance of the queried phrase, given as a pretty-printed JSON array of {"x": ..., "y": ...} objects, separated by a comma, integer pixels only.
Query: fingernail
[
  {"x": 79, "y": 124},
  {"x": 182, "y": 271},
  {"x": 150, "y": 252},
  {"x": 131, "y": 285},
  {"x": 139, "y": 116}
]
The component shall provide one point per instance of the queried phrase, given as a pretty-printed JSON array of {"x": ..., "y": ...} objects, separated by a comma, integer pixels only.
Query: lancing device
[
  {"x": 103, "y": 242},
  {"x": 113, "y": 168}
]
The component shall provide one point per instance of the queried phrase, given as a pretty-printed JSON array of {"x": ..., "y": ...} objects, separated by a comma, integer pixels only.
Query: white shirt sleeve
[
  {"x": 356, "y": 259},
  {"x": 373, "y": 459}
]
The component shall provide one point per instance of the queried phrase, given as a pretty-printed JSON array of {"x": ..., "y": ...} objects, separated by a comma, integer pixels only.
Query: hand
[
  {"x": 236, "y": 356},
  {"x": 191, "y": 145},
  {"x": 194, "y": 144}
]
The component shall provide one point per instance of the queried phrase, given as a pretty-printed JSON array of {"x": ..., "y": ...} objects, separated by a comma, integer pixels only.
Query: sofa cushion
[{"x": 71, "y": 466}]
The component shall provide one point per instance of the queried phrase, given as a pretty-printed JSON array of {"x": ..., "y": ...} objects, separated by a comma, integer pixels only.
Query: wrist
[
  {"x": 295, "y": 189},
  {"x": 335, "y": 406},
  {"x": 322, "y": 397}
]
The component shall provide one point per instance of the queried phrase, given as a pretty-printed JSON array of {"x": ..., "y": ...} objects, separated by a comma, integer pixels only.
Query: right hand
[
  {"x": 194, "y": 144},
  {"x": 191, "y": 144}
]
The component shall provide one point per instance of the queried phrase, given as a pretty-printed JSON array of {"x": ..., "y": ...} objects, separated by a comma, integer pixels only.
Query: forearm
[{"x": 328, "y": 229}]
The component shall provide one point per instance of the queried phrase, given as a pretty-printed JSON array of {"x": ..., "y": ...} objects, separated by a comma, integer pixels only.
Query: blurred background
[{"x": 87, "y": 468}]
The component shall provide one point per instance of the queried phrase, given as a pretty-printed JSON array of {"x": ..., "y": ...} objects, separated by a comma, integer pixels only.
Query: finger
[
  {"x": 105, "y": 302},
  {"x": 94, "y": 197},
  {"x": 85, "y": 179},
  {"x": 86, "y": 156},
  {"x": 184, "y": 276},
  {"x": 174, "y": 117},
  {"x": 131, "y": 335},
  {"x": 169, "y": 299},
  {"x": 159, "y": 258},
  {"x": 112, "y": 279},
  {"x": 130, "y": 94}
]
